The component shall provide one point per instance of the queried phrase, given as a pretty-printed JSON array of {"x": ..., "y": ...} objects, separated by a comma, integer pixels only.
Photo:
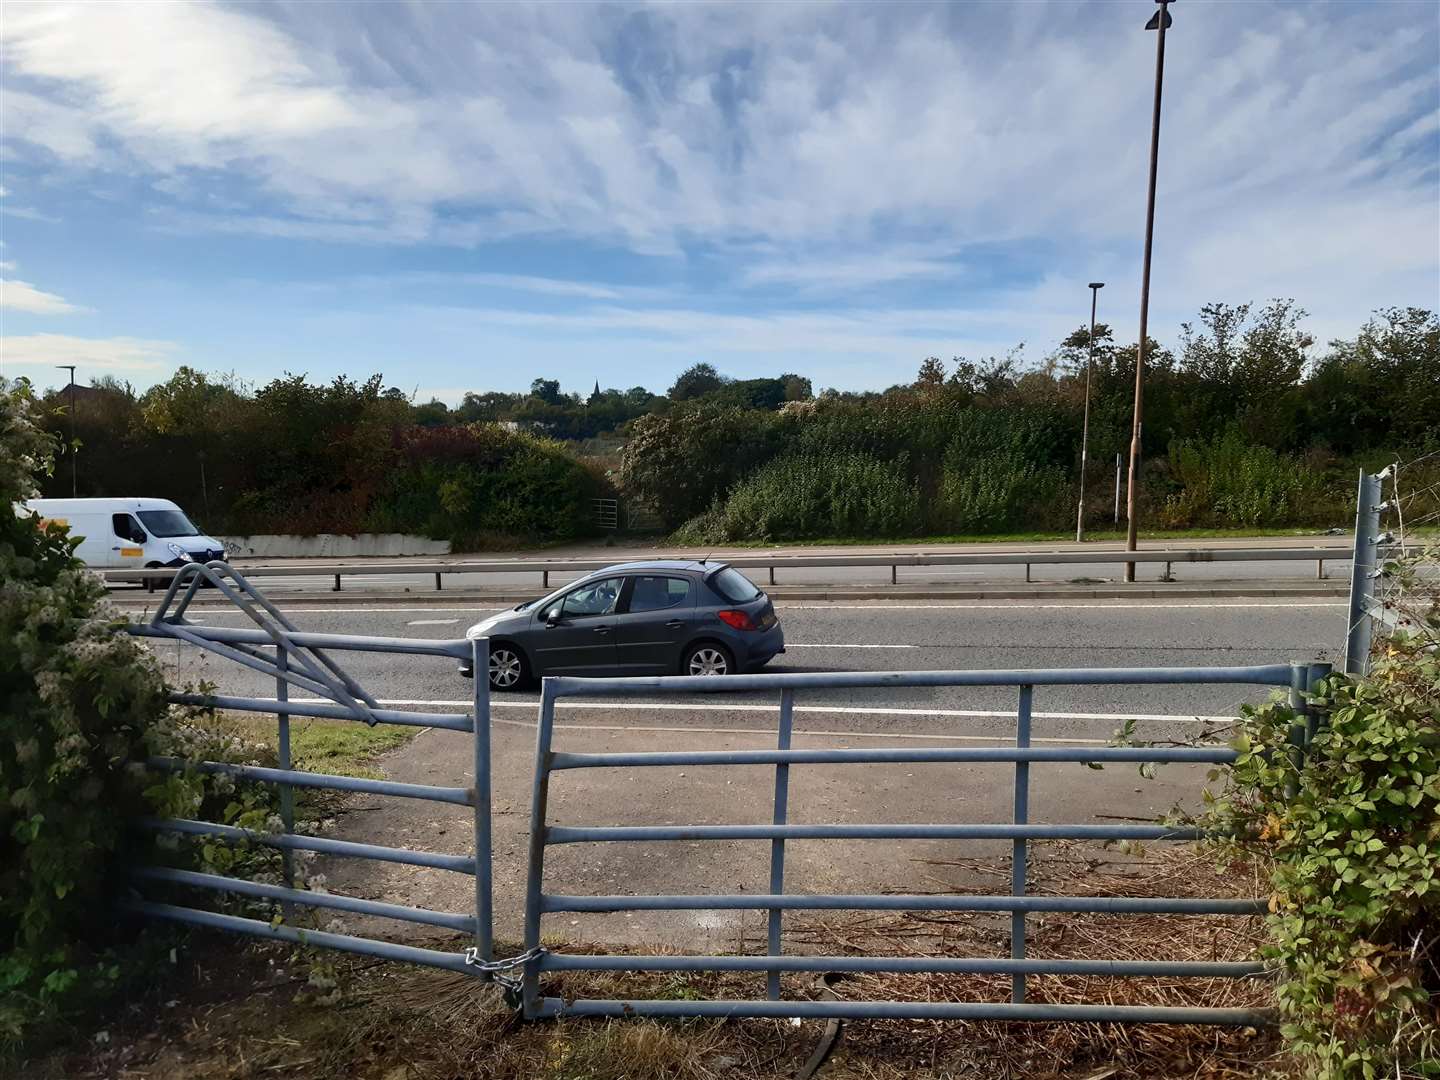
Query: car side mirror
[{"x": 552, "y": 617}]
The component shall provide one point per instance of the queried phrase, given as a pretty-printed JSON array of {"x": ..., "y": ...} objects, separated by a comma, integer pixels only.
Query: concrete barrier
[{"x": 333, "y": 545}]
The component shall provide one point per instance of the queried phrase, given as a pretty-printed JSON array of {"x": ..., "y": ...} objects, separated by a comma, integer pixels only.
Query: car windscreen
[
  {"x": 733, "y": 586},
  {"x": 167, "y": 523}
]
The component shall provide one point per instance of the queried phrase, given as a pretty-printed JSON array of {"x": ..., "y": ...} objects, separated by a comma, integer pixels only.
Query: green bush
[
  {"x": 1351, "y": 837},
  {"x": 480, "y": 484},
  {"x": 682, "y": 462},
  {"x": 77, "y": 699},
  {"x": 812, "y": 495},
  {"x": 1231, "y": 482}
]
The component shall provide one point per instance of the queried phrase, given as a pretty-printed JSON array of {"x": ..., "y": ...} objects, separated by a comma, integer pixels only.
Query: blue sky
[{"x": 473, "y": 196}]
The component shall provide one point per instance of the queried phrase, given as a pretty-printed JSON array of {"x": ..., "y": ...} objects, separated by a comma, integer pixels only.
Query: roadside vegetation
[
  {"x": 82, "y": 705},
  {"x": 1249, "y": 425},
  {"x": 1348, "y": 835}
]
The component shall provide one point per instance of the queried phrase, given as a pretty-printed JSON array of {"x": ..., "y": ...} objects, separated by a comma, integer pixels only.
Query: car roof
[{"x": 693, "y": 566}]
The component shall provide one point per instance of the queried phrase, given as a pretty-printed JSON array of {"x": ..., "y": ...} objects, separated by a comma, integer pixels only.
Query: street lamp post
[
  {"x": 74, "y": 473},
  {"x": 1159, "y": 22},
  {"x": 1095, "y": 287}
]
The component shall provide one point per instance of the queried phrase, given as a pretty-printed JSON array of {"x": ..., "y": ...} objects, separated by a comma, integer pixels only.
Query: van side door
[{"x": 127, "y": 541}]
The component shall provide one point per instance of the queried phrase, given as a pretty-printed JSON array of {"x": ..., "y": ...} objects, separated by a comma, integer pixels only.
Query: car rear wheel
[
  {"x": 707, "y": 658},
  {"x": 507, "y": 668}
]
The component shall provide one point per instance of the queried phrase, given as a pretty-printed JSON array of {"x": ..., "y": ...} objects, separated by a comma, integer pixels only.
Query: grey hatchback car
[{"x": 640, "y": 618}]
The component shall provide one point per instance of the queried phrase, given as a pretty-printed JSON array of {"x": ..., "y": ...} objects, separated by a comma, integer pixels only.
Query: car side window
[
  {"x": 127, "y": 528},
  {"x": 653, "y": 593},
  {"x": 595, "y": 598}
]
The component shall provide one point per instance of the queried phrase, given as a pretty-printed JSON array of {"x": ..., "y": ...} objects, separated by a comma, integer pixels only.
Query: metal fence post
[
  {"x": 1019, "y": 848},
  {"x": 777, "y": 847},
  {"x": 1300, "y": 728},
  {"x": 1362, "y": 575},
  {"x": 535, "y": 870},
  {"x": 480, "y": 711},
  {"x": 1315, "y": 718},
  {"x": 282, "y": 753}
]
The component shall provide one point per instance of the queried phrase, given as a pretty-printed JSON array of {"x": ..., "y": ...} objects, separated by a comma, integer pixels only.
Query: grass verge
[{"x": 1096, "y": 536}]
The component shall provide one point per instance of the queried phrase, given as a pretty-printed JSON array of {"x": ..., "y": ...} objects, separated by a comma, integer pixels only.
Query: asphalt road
[
  {"x": 830, "y": 636},
  {"x": 877, "y": 636}
]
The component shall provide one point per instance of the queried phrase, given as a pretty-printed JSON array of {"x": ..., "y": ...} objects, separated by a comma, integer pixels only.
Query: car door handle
[
  {"x": 602, "y": 629},
  {"x": 674, "y": 624}
]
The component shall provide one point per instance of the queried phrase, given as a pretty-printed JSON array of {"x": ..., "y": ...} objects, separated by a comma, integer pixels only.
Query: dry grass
[{"x": 397, "y": 1023}]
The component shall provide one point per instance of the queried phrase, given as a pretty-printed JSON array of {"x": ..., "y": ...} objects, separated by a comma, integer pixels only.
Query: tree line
[{"x": 1247, "y": 423}]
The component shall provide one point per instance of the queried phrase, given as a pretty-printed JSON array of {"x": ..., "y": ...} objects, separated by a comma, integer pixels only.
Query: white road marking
[
  {"x": 826, "y": 710},
  {"x": 878, "y": 604},
  {"x": 797, "y": 645},
  {"x": 432, "y": 622}
]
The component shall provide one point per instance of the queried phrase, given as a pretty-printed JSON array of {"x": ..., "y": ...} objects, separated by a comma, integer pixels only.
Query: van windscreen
[{"x": 167, "y": 523}]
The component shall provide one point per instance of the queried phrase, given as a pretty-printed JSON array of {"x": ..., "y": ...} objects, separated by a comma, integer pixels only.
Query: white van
[{"x": 128, "y": 533}]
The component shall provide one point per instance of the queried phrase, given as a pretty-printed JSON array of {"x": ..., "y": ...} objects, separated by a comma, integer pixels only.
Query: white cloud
[
  {"x": 802, "y": 149},
  {"x": 7, "y": 265},
  {"x": 22, "y": 296},
  {"x": 29, "y": 213},
  {"x": 106, "y": 354}
]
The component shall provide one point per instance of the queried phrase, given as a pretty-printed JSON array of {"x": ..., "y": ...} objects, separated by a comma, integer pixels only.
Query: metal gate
[
  {"x": 274, "y": 647},
  {"x": 1020, "y": 832}
]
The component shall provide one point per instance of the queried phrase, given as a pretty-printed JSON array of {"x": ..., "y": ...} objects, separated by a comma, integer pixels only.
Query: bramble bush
[
  {"x": 77, "y": 699},
  {"x": 1351, "y": 836},
  {"x": 82, "y": 704}
]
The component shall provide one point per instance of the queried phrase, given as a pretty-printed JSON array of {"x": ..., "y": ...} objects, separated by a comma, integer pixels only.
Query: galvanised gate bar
[
  {"x": 275, "y": 648},
  {"x": 1298, "y": 679}
]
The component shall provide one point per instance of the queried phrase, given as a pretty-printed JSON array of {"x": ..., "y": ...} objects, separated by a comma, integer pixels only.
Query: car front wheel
[
  {"x": 707, "y": 659},
  {"x": 507, "y": 668}
]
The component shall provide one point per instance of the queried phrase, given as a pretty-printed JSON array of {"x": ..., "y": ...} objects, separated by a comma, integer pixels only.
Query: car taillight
[{"x": 738, "y": 619}]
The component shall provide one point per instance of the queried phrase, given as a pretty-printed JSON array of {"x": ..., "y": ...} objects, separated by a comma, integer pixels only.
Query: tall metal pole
[
  {"x": 1362, "y": 574},
  {"x": 1158, "y": 23},
  {"x": 74, "y": 474},
  {"x": 1095, "y": 287},
  {"x": 1117, "y": 489}
]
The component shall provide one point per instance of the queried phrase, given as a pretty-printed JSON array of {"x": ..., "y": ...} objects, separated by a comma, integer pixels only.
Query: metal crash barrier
[
  {"x": 570, "y": 569},
  {"x": 274, "y": 647},
  {"x": 1020, "y": 832}
]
